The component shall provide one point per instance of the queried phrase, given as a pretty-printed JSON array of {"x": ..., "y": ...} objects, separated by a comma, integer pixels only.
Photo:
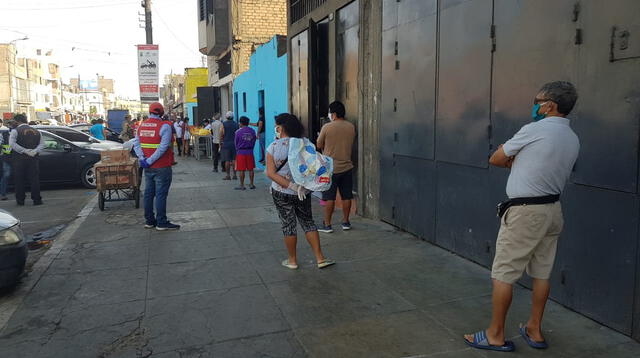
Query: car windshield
[{"x": 72, "y": 135}]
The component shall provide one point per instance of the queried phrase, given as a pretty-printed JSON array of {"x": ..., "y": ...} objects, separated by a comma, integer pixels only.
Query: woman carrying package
[{"x": 291, "y": 200}]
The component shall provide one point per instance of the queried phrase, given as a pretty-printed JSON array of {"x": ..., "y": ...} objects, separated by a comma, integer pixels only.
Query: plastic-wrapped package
[{"x": 309, "y": 168}]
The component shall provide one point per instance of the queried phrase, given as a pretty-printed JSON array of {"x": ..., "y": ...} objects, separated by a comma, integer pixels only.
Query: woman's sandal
[{"x": 286, "y": 264}]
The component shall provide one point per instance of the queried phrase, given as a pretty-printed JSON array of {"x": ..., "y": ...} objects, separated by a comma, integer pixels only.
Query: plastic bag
[{"x": 309, "y": 168}]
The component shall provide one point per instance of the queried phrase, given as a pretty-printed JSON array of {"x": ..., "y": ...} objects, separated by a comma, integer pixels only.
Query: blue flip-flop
[
  {"x": 531, "y": 342},
  {"x": 481, "y": 341}
]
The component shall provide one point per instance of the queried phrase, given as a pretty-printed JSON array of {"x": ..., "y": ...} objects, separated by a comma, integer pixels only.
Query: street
[{"x": 216, "y": 288}]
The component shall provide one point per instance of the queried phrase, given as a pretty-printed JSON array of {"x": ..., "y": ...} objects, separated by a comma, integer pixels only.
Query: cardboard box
[
  {"x": 115, "y": 156},
  {"x": 116, "y": 176}
]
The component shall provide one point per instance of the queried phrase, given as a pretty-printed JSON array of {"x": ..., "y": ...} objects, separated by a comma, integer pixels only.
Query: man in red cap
[{"x": 153, "y": 147}]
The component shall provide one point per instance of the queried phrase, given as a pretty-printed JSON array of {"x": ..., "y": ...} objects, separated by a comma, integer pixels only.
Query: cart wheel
[
  {"x": 136, "y": 197},
  {"x": 101, "y": 201}
]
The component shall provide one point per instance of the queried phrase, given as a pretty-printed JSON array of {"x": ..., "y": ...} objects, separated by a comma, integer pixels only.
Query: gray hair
[{"x": 563, "y": 93}]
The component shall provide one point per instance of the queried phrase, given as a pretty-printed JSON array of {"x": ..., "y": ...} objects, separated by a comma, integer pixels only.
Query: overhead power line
[
  {"x": 166, "y": 25},
  {"x": 70, "y": 7}
]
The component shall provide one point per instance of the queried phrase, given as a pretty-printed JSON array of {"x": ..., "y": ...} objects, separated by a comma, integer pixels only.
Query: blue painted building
[
  {"x": 189, "y": 112},
  {"x": 263, "y": 85}
]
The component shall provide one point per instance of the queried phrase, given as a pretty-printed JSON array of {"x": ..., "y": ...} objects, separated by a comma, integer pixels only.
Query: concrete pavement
[{"x": 216, "y": 289}]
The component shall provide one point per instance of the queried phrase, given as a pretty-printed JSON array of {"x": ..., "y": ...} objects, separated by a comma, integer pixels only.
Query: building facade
[
  {"x": 172, "y": 93},
  {"x": 263, "y": 85},
  {"x": 229, "y": 31},
  {"x": 193, "y": 78},
  {"x": 439, "y": 84}
]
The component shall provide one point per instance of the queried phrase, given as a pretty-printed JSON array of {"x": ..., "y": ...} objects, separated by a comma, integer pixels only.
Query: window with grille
[
  {"x": 202, "y": 9},
  {"x": 300, "y": 8}
]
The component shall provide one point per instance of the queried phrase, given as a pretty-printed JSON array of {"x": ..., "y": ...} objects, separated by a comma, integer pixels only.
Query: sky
[{"x": 90, "y": 37}]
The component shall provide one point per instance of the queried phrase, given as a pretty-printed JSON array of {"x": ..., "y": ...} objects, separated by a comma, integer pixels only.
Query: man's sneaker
[
  {"x": 37, "y": 202},
  {"x": 325, "y": 228},
  {"x": 149, "y": 226},
  {"x": 168, "y": 226},
  {"x": 346, "y": 226}
]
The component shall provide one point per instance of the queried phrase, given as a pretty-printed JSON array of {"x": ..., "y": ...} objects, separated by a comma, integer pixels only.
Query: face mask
[
  {"x": 329, "y": 116},
  {"x": 534, "y": 112},
  {"x": 278, "y": 130}
]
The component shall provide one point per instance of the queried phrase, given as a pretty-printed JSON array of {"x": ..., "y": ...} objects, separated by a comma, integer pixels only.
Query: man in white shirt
[
  {"x": 215, "y": 127},
  {"x": 179, "y": 127},
  {"x": 541, "y": 157}
]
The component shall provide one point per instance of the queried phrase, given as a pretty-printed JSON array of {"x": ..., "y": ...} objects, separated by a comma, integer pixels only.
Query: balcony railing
[{"x": 300, "y": 8}]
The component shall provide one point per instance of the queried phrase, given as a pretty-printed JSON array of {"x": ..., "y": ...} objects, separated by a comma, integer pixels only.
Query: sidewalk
[{"x": 216, "y": 289}]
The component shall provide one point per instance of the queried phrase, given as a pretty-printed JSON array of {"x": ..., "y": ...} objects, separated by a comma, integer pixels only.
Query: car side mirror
[{"x": 67, "y": 147}]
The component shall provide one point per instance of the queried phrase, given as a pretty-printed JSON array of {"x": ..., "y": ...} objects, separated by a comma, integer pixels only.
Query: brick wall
[{"x": 255, "y": 23}]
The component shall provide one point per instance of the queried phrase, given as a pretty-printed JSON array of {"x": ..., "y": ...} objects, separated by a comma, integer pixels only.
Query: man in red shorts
[{"x": 245, "y": 141}]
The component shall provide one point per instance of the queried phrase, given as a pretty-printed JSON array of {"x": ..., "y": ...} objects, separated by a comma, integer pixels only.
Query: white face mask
[
  {"x": 329, "y": 116},
  {"x": 278, "y": 132}
]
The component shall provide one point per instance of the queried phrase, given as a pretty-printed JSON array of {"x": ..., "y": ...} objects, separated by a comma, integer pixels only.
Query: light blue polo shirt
[{"x": 545, "y": 153}]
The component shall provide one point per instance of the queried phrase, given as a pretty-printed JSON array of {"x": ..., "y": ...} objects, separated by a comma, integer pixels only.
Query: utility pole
[{"x": 146, "y": 4}]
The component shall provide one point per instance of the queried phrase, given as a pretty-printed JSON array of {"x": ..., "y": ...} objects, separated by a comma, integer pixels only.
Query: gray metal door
[
  {"x": 464, "y": 82},
  {"x": 407, "y": 127},
  {"x": 609, "y": 65},
  {"x": 389, "y": 113},
  {"x": 299, "y": 76},
  {"x": 415, "y": 75},
  {"x": 347, "y": 43}
]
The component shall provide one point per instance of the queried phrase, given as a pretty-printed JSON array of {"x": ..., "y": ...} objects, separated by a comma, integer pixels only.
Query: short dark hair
[
  {"x": 244, "y": 120},
  {"x": 338, "y": 108},
  {"x": 100, "y": 121},
  {"x": 563, "y": 93},
  {"x": 20, "y": 118},
  {"x": 290, "y": 124},
  {"x": 261, "y": 111}
]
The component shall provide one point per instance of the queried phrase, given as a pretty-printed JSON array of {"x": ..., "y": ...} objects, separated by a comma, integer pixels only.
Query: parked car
[
  {"x": 64, "y": 162},
  {"x": 81, "y": 139},
  {"x": 13, "y": 250},
  {"x": 111, "y": 134}
]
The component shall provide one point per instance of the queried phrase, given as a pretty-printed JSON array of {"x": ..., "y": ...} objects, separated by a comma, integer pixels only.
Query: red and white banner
[{"x": 148, "y": 73}]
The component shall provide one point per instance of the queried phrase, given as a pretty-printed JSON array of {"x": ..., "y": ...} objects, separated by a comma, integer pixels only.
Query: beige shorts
[{"x": 528, "y": 239}]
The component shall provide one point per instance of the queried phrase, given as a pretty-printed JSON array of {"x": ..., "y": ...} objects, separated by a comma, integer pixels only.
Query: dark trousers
[
  {"x": 25, "y": 169},
  {"x": 215, "y": 154},
  {"x": 179, "y": 142}
]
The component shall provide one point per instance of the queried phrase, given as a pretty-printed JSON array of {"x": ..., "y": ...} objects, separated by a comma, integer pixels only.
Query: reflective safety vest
[
  {"x": 6, "y": 149},
  {"x": 149, "y": 134}
]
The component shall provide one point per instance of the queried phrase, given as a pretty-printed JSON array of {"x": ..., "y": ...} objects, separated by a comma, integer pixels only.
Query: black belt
[{"x": 536, "y": 200}]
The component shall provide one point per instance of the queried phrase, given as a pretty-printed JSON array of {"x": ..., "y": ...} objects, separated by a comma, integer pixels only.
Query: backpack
[{"x": 309, "y": 168}]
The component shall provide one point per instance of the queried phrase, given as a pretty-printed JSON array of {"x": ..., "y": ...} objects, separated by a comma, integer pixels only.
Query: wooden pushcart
[{"x": 118, "y": 182}]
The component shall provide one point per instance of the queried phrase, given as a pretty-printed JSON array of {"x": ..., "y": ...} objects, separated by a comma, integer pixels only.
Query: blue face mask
[{"x": 534, "y": 113}]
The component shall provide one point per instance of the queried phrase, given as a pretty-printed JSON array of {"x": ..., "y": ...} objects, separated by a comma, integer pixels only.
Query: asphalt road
[{"x": 61, "y": 205}]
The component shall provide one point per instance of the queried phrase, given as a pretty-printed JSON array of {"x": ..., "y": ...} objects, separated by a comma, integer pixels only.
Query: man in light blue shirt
[{"x": 541, "y": 157}]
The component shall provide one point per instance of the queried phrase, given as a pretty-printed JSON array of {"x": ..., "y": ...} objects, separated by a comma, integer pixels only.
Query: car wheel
[{"x": 88, "y": 177}]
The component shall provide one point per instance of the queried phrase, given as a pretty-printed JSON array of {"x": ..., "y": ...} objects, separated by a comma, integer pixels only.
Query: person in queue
[{"x": 291, "y": 200}]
